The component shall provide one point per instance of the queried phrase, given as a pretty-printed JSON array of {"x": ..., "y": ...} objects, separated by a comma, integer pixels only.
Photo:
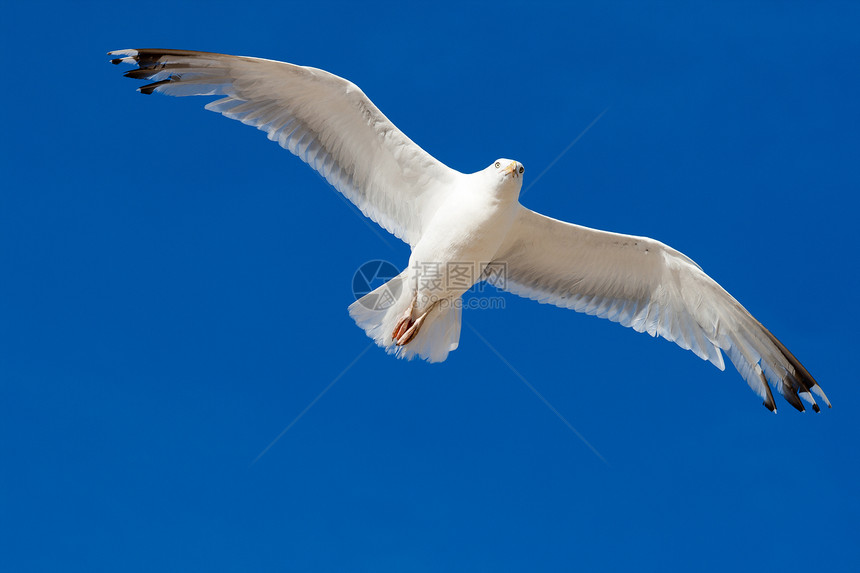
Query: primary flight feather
[{"x": 466, "y": 228}]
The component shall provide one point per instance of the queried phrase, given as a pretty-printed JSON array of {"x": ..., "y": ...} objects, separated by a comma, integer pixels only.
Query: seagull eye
[
  {"x": 522, "y": 169},
  {"x": 497, "y": 163}
]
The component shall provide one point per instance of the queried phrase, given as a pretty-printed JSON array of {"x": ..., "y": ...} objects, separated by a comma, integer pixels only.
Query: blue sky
[{"x": 174, "y": 291}]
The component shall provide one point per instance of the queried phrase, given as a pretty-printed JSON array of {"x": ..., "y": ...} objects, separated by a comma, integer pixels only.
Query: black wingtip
[
  {"x": 797, "y": 377},
  {"x": 139, "y": 74},
  {"x": 769, "y": 402},
  {"x": 149, "y": 88},
  {"x": 815, "y": 408},
  {"x": 794, "y": 400}
]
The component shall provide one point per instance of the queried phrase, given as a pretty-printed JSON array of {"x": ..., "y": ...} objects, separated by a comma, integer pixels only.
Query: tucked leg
[
  {"x": 413, "y": 329},
  {"x": 405, "y": 321}
]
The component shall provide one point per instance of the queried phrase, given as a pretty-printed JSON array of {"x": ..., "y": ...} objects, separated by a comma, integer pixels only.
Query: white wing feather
[
  {"x": 643, "y": 284},
  {"x": 323, "y": 119}
]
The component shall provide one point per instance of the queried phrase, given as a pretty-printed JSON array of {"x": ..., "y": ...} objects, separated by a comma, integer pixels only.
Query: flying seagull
[{"x": 467, "y": 228}]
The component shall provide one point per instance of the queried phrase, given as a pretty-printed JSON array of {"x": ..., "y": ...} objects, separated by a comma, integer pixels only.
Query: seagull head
[
  {"x": 508, "y": 168},
  {"x": 507, "y": 173}
]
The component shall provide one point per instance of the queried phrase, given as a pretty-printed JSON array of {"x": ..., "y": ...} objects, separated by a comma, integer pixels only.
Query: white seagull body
[{"x": 461, "y": 226}]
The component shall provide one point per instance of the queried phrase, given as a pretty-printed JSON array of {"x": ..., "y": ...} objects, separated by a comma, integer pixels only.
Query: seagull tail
[{"x": 378, "y": 312}]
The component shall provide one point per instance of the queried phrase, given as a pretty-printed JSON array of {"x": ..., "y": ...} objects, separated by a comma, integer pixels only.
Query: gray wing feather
[
  {"x": 323, "y": 119},
  {"x": 645, "y": 285}
]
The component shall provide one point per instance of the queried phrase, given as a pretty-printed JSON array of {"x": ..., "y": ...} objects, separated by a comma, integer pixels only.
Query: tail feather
[{"x": 378, "y": 312}]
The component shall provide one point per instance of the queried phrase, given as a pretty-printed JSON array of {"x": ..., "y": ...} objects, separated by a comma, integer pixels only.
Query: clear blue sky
[{"x": 174, "y": 291}]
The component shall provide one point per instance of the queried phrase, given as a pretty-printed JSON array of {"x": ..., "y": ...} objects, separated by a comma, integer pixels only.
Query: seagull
[{"x": 468, "y": 228}]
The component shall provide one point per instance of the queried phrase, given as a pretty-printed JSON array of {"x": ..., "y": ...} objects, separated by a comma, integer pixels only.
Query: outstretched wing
[
  {"x": 323, "y": 119},
  {"x": 650, "y": 287}
]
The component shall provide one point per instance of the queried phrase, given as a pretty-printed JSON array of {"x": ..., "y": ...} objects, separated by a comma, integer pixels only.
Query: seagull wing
[
  {"x": 323, "y": 119},
  {"x": 643, "y": 284}
]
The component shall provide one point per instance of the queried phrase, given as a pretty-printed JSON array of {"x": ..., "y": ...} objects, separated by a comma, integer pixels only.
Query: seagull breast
[{"x": 464, "y": 235}]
